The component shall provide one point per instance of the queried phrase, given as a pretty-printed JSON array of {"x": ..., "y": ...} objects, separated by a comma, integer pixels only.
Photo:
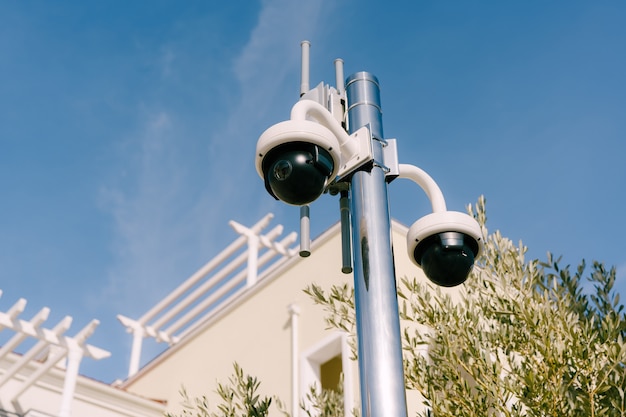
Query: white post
[
  {"x": 253, "y": 256},
  {"x": 294, "y": 312},
  {"x": 135, "y": 353},
  {"x": 74, "y": 356}
]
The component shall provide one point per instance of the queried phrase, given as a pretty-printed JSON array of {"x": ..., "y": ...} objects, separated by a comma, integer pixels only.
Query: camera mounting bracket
[{"x": 362, "y": 156}]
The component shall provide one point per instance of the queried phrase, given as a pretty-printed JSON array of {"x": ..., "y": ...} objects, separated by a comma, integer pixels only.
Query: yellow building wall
[{"x": 255, "y": 331}]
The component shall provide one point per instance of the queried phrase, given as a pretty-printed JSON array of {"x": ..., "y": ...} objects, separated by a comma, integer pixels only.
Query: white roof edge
[{"x": 85, "y": 383}]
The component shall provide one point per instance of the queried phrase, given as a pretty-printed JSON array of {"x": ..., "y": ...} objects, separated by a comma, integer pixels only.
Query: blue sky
[{"x": 127, "y": 132}]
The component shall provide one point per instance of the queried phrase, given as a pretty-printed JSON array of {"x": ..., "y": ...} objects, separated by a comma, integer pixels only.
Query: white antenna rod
[
  {"x": 305, "y": 226},
  {"x": 305, "y": 232},
  {"x": 304, "y": 79},
  {"x": 339, "y": 80}
]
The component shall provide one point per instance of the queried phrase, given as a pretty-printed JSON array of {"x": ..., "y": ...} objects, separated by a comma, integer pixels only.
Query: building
[
  {"x": 269, "y": 326},
  {"x": 247, "y": 305}
]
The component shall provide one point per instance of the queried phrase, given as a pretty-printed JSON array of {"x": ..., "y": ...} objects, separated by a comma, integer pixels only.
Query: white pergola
[
  {"x": 52, "y": 344},
  {"x": 177, "y": 314}
]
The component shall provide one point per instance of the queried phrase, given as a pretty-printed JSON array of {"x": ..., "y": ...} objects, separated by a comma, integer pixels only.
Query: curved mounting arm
[
  {"x": 425, "y": 181},
  {"x": 304, "y": 108}
]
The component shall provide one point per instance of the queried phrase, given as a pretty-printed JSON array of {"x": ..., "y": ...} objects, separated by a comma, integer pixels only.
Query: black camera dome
[
  {"x": 297, "y": 172},
  {"x": 447, "y": 258}
]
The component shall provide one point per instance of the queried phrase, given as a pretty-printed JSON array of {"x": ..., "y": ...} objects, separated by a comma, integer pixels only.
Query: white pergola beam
[
  {"x": 19, "y": 337},
  {"x": 202, "y": 272},
  {"x": 32, "y": 353},
  {"x": 86, "y": 332},
  {"x": 16, "y": 309},
  {"x": 45, "y": 367},
  {"x": 201, "y": 290},
  {"x": 185, "y": 296},
  {"x": 265, "y": 258},
  {"x": 58, "y": 345}
]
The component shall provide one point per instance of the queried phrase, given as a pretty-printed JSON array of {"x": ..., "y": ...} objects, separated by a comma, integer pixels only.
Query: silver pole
[{"x": 376, "y": 302}]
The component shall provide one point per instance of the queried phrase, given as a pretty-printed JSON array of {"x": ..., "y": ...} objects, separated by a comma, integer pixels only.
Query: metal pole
[{"x": 376, "y": 302}]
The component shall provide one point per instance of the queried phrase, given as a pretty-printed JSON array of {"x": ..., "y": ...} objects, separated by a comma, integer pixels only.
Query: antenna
[
  {"x": 332, "y": 100},
  {"x": 305, "y": 220},
  {"x": 344, "y": 203},
  {"x": 305, "y": 231},
  {"x": 304, "y": 77},
  {"x": 339, "y": 76}
]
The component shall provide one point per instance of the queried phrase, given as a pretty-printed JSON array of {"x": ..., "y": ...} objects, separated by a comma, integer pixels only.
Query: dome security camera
[
  {"x": 445, "y": 244},
  {"x": 297, "y": 159}
]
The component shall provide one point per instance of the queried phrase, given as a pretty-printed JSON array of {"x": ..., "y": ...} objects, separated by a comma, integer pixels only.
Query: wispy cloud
[
  {"x": 265, "y": 66},
  {"x": 281, "y": 24},
  {"x": 143, "y": 204},
  {"x": 170, "y": 213}
]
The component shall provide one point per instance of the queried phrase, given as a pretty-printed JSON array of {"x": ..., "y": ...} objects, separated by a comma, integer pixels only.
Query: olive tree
[
  {"x": 523, "y": 338},
  {"x": 526, "y": 338},
  {"x": 239, "y": 398}
]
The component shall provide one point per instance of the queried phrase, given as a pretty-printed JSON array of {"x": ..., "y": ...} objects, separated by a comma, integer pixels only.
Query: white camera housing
[
  {"x": 297, "y": 159},
  {"x": 292, "y": 131},
  {"x": 455, "y": 240}
]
